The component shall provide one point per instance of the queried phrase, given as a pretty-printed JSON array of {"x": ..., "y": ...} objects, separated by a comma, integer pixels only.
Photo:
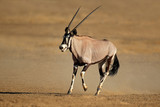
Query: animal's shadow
[{"x": 38, "y": 93}]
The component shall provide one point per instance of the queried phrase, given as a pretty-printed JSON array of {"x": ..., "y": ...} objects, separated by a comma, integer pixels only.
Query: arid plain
[{"x": 35, "y": 73}]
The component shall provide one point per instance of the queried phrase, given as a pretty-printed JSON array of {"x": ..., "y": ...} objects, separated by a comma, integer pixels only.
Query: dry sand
[{"x": 33, "y": 71}]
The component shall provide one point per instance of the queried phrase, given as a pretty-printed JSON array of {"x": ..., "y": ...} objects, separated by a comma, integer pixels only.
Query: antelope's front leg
[
  {"x": 82, "y": 76},
  {"x": 75, "y": 68}
]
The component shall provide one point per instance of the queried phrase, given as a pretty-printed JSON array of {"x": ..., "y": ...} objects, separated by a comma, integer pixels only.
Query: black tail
[{"x": 115, "y": 66}]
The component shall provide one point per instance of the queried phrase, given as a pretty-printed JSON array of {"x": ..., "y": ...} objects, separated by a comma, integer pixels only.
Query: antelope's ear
[
  {"x": 66, "y": 29},
  {"x": 74, "y": 32}
]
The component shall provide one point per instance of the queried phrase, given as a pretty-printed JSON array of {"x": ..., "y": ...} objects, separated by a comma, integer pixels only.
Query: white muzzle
[{"x": 63, "y": 47}]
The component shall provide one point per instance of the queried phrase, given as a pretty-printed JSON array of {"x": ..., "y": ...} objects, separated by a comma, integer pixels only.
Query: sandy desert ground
[{"x": 35, "y": 73}]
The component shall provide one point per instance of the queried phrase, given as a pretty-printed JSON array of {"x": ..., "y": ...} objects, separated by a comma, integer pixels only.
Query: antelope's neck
[{"x": 75, "y": 46}]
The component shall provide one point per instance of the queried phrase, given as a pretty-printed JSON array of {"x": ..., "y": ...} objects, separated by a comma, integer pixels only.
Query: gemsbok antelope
[{"x": 87, "y": 51}]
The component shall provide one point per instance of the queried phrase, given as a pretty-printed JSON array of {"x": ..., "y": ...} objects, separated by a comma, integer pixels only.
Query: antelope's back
[{"x": 101, "y": 49}]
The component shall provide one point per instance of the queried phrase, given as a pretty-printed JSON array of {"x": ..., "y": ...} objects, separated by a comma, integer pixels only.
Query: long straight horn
[
  {"x": 73, "y": 18},
  {"x": 86, "y": 17}
]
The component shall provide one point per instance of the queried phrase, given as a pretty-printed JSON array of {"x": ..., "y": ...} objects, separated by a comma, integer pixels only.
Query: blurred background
[{"x": 32, "y": 30}]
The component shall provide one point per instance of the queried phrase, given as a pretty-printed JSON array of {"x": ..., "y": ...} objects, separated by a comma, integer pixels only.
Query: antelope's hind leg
[
  {"x": 75, "y": 68},
  {"x": 101, "y": 66},
  {"x": 104, "y": 67},
  {"x": 82, "y": 76}
]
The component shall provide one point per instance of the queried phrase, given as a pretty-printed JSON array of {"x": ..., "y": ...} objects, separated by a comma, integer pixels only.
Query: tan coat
[{"x": 88, "y": 50}]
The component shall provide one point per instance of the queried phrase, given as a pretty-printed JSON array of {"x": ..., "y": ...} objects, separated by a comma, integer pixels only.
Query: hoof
[
  {"x": 85, "y": 87},
  {"x": 97, "y": 93},
  {"x": 69, "y": 92}
]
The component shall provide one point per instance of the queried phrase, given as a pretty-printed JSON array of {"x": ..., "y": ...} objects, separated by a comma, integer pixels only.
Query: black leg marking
[
  {"x": 75, "y": 68},
  {"x": 101, "y": 72}
]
